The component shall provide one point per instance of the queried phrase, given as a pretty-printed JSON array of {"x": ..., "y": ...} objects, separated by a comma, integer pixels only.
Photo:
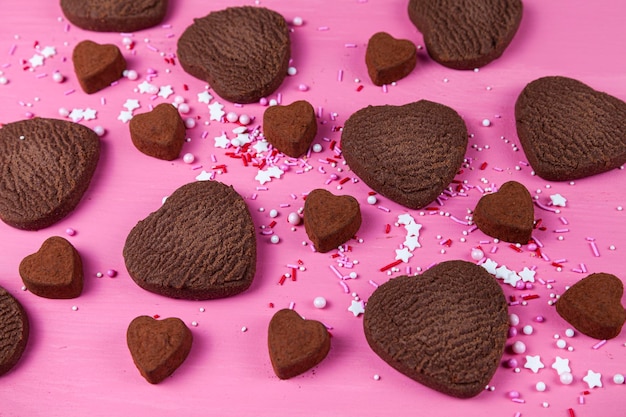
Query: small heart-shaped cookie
[
  {"x": 114, "y": 15},
  {"x": 466, "y": 34},
  {"x": 199, "y": 245},
  {"x": 242, "y": 52},
  {"x": 290, "y": 129},
  {"x": 47, "y": 166},
  {"x": 54, "y": 271},
  {"x": 158, "y": 347},
  {"x": 389, "y": 59},
  {"x": 97, "y": 66},
  {"x": 445, "y": 328},
  {"x": 295, "y": 344},
  {"x": 569, "y": 130},
  {"x": 594, "y": 306},
  {"x": 407, "y": 153},
  {"x": 14, "y": 331},
  {"x": 330, "y": 220},
  {"x": 507, "y": 214},
  {"x": 159, "y": 133}
]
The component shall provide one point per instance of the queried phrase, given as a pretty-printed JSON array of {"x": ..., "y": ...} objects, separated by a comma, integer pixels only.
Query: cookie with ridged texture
[
  {"x": 389, "y": 59},
  {"x": 568, "y": 130},
  {"x": 290, "y": 128},
  {"x": 114, "y": 15},
  {"x": 466, "y": 34},
  {"x": 159, "y": 133},
  {"x": 14, "y": 331},
  {"x": 242, "y": 52},
  {"x": 408, "y": 153},
  {"x": 97, "y": 66},
  {"x": 199, "y": 245},
  {"x": 46, "y": 167},
  {"x": 507, "y": 214},
  {"x": 445, "y": 328}
]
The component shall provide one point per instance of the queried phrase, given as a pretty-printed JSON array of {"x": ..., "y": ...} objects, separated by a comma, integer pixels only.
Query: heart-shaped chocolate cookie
[
  {"x": 407, "y": 153},
  {"x": 569, "y": 130},
  {"x": 507, "y": 214},
  {"x": 466, "y": 34},
  {"x": 295, "y": 344},
  {"x": 158, "y": 347},
  {"x": 159, "y": 133},
  {"x": 330, "y": 220},
  {"x": 114, "y": 15},
  {"x": 54, "y": 271},
  {"x": 14, "y": 331},
  {"x": 47, "y": 166},
  {"x": 594, "y": 306},
  {"x": 445, "y": 328},
  {"x": 97, "y": 66},
  {"x": 242, "y": 52},
  {"x": 290, "y": 129},
  {"x": 199, "y": 245},
  {"x": 389, "y": 59}
]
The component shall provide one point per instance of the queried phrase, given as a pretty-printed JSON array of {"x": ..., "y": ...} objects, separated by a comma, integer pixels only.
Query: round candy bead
[{"x": 319, "y": 302}]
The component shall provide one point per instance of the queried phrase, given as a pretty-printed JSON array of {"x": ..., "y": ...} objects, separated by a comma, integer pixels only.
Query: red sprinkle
[
  {"x": 300, "y": 262},
  {"x": 530, "y": 297},
  {"x": 359, "y": 88},
  {"x": 331, "y": 160},
  {"x": 245, "y": 161},
  {"x": 271, "y": 305},
  {"x": 391, "y": 265},
  {"x": 372, "y": 193},
  {"x": 387, "y": 228},
  {"x": 185, "y": 87},
  {"x": 282, "y": 279},
  {"x": 344, "y": 180},
  {"x": 571, "y": 412},
  {"x": 483, "y": 166},
  {"x": 332, "y": 145},
  {"x": 156, "y": 316},
  {"x": 272, "y": 224},
  {"x": 293, "y": 274},
  {"x": 515, "y": 248},
  {"x": 556, "y": 265},
  {"x": 447, "y": 243}
]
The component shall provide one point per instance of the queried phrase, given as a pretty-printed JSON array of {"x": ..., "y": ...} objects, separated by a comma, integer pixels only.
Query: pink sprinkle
[
  {"x": 328, "y": 326},
  {"x": 350, "y": 45},
  {"x": 323, "y": 28},
  {"x": 284, "y": 205},
  {"x": 346, "y": 289},
  {"x": 385, "y": 89},
  {"x": 577, "y": 270},
  {"x": 340, "y": 75},
  {"x": 518, "y": 414},
  {"x": 545, "y": 257},
  {"x": 292, "y": 305},
  {"x": 563, "y": 220},
  {"x": 320, "y": 112},
  {"x": 537, "y": 242},
  {"x": 12, "y": 49},
  {"x": 293, "y": 196},
  {"x": 541, "y": 281},
  {"x": 581, "y": 399},
  {"x": 112, "y": 273},
  {"x": 518, "y": 400},
  {"x": 279, "y": 98},
  {"x": 70, "y": 232},
  {"x": 560, "y": 261},
  {"x": 267, "y": 232},
  {"x": 471, "y": 229},
  {"x": 373, "y": 283},
  {"x": 583, "y": 267},
  {"x": 497, "y": 169},
  {"x": 385, "y": 209},
  {"x": 196, "y": 167},
  {"x": 68, "y": 92},
  {"x": 152, "y": 48},
  {"x": 544, "y": 207},
  {"x": 561, "y": 230},
  {"x": 459, "y": 221},
  {"x": 213, "y": 158},
  {"x": 594, "y": 248},
  {"x": 67, "y": 27},
  {"x": 590, "y": 239},
  {"x": 261, "y": 188},
  {"x": 494, "y": 249},
  {"x": 42, "y": 75},
  {"x": 332, "y": 268},
  {"x": 253, "y": 196},
  {"x": 599, "y": 344}
]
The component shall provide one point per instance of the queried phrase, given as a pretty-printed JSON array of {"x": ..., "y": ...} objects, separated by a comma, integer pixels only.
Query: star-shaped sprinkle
[
  {"x": 146, "y": 88},
  {"x": 533, "y": 363},
  {"x": 275, "y": 172},
  {"x": 261, "y": 146},
  {"x": 36, "y": 61},
  {"x": 165, "y": 91},
  {"x": 48, "y": 51},
  {"x": 561, "y": 365},
  {"x": 357, "y": 307},
  {"x": 222, "y": 141},
  {"x": 411, "y": 242},
  {"x": 263, "y": 177},
  {"x": 76, "y": 115},
  {"x": 204, "y": 97},
  {"x": 593, "y": 379},
  {"x": 216, "y": 112},
  {"x": 403, "y": 254},
  {"x": 503, "y": 272},
  {"x": 205, "y": 176},
  {"x": 89, "y": 114},
  {"x": 243, "y": 138},
  {"x": 527, "y": 275},
  {"x": 558, "y": 200},
  {"x": 413, "y": 229},
  {"x": 405, "y": 218},
  {"x": 512, "y": 279},
  {"x": 125, "y": 116},
  {"x": 131, "y": 104},
  {"x": 490, "y": 266}
]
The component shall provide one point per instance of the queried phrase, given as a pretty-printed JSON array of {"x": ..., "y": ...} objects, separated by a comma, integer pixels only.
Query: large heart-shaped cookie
[
  {"x": 407, "y": 153},
  {"x": 507, "y": 214},
  {"x": 54, "y": 271},
  {"x": 46, "y": 167},
  {"x": 114, "y": 15},
  {"x": 466, "y": 34},
  {"x": 295, "y": 344},
  {"x": 445, "y": 328},
  {"x": 594, "y": 306},
  {"x": 14, "y": 331},
  {"x": 569, "y": 130},
  {"x": 199, "y": 245},
  {"x": 389, "y": 59},
  {"x": 159, "y": 133},
  {"x": 158, "y": 347},
  {"x": 290, "y": 129},
  {"x": 242, "y": 52},
  {"x": 330, "y": 220}
]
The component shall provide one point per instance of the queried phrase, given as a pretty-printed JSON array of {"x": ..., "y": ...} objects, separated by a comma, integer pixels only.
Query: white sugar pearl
[
  {"x": 317, "y": 148},
  {"x": 57, "y": 77},
  {"x": 293, "y": 218},
  {"x": 486, "y": 122},
  {"x": 319, "y": 302},
  {"x": 566, "y": 378},
  {"x": 513, "y": 319},
  {"x": 132, "y": 75},
  {"x": 183, "y": 108},
  {"x": 561, "y": 344},
  {"x": 297, "y": 21},
  {"x": 126, "y": 41},
  {"x": 244, "y": 119},
  {"x": 528, "y": 329},
  {"x": 519, "y": 347},
  {"x": 190, "y": 123},
  {"x": 274, "y": 239},
  {"x": 99, "y": 130},
  {"x": 477, "y": 254},
  {"x": 63, "y": 112},
  {"x": 353, "y": 275},
  {"x": 232, "y": 117},
  {"x": 569, "y": 332},
  {"x": 540, "y": 386},
  {"x": 372, "y": 199},
  {"x": 4, "y": 80},
  {"x": 618, "y": 379},
  {"x": 273, "y": 213},
  {"x": 292, "y": 71},
  {"x": 179, "y": 99},
  {"x": 188, "y": 158}
]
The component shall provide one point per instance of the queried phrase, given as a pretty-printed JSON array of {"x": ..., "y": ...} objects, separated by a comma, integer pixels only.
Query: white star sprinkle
[
  {"x": 558, "y": 200},
  {"x": 48, "y": 51},
  {"x": 533, "y": 363},
  {"x": 490, "y": 266},
  {"x": 261, "y": 146},
  {"x": 527, "y": 275},
  {"x": 275, "y": 171},
  {"x": 76, "y": 115},
  {"x": 413, "y": 229},
  {"x": 216, "y": 112},
  {"x": 403, "y": 254},
  {"x": 411, "y": 242},
  {"x": 205, "y": 176},
  {"x": 242, "y": 139},
  {"x": 204, "y": 97},
  {"x": 147, "y": 88},
  {"x": 165, "y": 91},
  {"x": 263, "y": 177},
  {"x": 89, "y": 114},
  {"x": 357, "y": 307},
  {"x": 503, "y": 272},
  {"x": 593, "y": 379},
  {"x": 222, "y": 141},
  {"x": 512, "y": 279},
  {"x": 405, "y": 218},
  {"x": 125, "y": 116},
  {"x": 131, "y": 104},
  {"x": 36, "y": 61},
  {"x": 561, "y": 365}
]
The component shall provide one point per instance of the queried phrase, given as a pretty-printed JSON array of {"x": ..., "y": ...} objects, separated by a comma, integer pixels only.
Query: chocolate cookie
[
  {"x": 46, "y": 167},
  {"x": 594, "y": 306},
  {"x": 389, "y": 59},
  {"x": 330, "y": 220},
  {"x": 445, "y": 328},
  {"x": 199, "y": 245},
  {"x": 54, "y": 271},
  {"x": 97, "y": 66},
  {"x": 507, "y": 214},
  {"x": 407, "y": 153},
  {"x": 158, "y": 347},
  {"x": 114, "y": 15},
  {"x": 159, "y": 133},
  {"x": 466, "y": 34},
  {"x": 14, "y": 330},
  {"x": 295, "y": 344},
  {"x": 242, "y": 52},
  {"x": 569, "y": 130},
  {"x": 290, "y": 129}
]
